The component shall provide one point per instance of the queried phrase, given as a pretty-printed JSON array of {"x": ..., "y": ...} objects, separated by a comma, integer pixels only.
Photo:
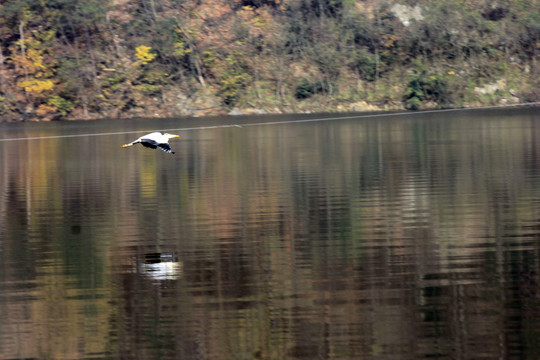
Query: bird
[{"x": 155, "y": 140}]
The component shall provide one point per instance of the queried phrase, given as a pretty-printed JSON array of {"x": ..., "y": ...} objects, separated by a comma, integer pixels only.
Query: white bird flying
[{"x": 155, "y": 140}]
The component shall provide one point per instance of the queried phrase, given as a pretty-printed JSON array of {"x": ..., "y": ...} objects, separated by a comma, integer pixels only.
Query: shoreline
[
  {"x": 340, "y": 108},
  {"x": 239, "y": 111}
]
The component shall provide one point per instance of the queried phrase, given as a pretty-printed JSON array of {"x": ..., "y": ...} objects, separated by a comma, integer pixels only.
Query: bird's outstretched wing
[
  {"x": 149, "y": 143},
  {"x": 165, "y": 147}
]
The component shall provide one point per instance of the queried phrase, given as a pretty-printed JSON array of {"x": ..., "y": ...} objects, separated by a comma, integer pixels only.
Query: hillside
[{"x": 67, "y": 59}]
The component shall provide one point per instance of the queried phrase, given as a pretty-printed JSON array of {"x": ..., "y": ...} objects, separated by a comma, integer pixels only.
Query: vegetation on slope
[{"x": 67, "y": 59}]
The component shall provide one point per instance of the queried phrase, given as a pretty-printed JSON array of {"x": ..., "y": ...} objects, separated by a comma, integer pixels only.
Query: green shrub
[
  {"x": 425, "y": 86},
  {"x": 307, "y": 89},
  {"x": 366, "y": 65},
  {"x": 64, "y": 106}
]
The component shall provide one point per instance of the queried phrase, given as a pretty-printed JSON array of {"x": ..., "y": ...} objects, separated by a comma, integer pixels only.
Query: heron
[{"x": 155, "y": 140}]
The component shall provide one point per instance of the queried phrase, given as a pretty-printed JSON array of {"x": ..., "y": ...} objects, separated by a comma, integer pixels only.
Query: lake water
[{"x": 399, "y": 237}]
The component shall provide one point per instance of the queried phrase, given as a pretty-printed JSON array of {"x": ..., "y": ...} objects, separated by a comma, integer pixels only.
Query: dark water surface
[{"x": 401, "y": 237}]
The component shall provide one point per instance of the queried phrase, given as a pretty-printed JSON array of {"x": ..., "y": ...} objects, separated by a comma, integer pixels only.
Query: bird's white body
[{"x": 155, "y": 140}]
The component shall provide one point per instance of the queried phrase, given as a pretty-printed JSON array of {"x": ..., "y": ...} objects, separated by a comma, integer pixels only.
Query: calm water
[{"x": 400, "y": 237}]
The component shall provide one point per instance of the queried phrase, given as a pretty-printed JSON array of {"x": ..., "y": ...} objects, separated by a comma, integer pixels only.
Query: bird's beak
[{"x": 175, "y": 136}]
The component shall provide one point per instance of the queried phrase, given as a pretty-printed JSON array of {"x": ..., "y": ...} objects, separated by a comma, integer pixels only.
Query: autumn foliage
[{"x": 67, "y": 59}]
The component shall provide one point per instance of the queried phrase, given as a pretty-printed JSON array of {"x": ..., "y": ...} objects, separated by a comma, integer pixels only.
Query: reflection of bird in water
[
  {"x": 155, "y": 140},
  {"x": 161, "y": 266}
]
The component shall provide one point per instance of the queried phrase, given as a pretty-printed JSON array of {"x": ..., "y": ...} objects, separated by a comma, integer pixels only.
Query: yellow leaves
[
  {"x": 36, "y": 86},
  {"x": 36, "y": 60},
  {"x": 181, "y": 46},
  {"x": 259, "y": 22},
  {"x": 44, "y": 109},
  {"x": 32, "y": 63},
  {"x": 143, "y": 54},
  {"x": 181, "y": 49}
]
